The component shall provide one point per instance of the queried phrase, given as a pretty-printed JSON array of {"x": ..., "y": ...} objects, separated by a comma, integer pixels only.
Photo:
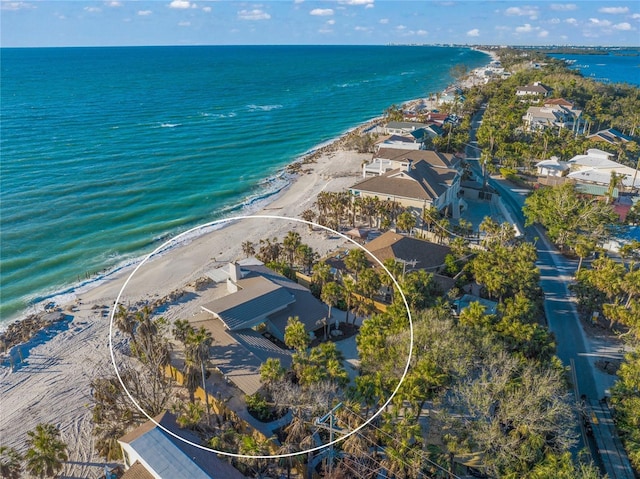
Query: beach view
[{"x": 319, "y": 239}]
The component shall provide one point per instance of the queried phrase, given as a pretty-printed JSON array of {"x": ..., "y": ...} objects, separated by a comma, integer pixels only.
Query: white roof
[
  {"x": 603, "y": 176},
  {"x": 553, "y": 164}
]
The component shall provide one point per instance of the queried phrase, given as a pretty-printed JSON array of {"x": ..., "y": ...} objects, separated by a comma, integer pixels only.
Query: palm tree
[
  {"x": 248, "y": 248},
  {"x": 330, "y": 295},
  {"x": 406, "y": 221},
  {"x": 46, "y": 451},
  {"x": 190, "y": 415},
  {"x": 271, "y": 371},
  {"x": 295, "y": 335},
  {"x": 10, "y": 463},
  {"x": 321, "y": 274},
  {"x": 356, "y": 261},
  {"x": 198, "y": 344},
  {"x": 289, "y": 244},
  {"x": 348, "y": 291},
  {"x": 181, "y": 330}
]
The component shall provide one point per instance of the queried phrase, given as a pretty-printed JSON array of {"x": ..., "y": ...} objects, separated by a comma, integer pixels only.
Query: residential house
[
  {"x": 151, "y": 452},
  {"x": 610, "y": 136},
  {"x": 414, "y": 254},
  {"x": 416, "y": 179},
  {"x": 427, "y": 133},
  {"x": 534, "y": 91},
  {"x": 400, "y": 142},
  {"x": 255, "y": 305},
  {"x": 258, "y": 296},
  {"x": 402, "y": 128},
  {"x": 452, "y": 94},
  {"x": 596, "y": 167},
  {"x": 555, "y": 113},
  {"x": 552, "y": 167}
]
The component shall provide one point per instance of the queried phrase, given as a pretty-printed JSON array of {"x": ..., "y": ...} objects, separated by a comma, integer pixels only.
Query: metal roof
[{"x": 253, "y": 302}]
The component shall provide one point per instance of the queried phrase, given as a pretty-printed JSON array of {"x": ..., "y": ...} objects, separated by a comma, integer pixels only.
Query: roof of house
[
  {"x": 553, "y": 164},
  {"x": 594, "y": 159},
  {"x": 432, "y": 157},
  {"x": 558, "y": 101},
  {"x": 610, "y": 136},
  {"x": 536, "y": 88},
  {"x": 137, "y": 471},
  {"x": 427, "y": 255},
  {"x": 405, "y": 125},
  {"x": 422, "y": 182},
  {"x": 256, "y": 298},
  {"x": 170, "y": 457}
]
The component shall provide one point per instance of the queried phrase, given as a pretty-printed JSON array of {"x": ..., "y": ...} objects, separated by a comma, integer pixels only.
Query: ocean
[
  {"x": 106, "y": 152},
  {"x": 616, "y": 66}
]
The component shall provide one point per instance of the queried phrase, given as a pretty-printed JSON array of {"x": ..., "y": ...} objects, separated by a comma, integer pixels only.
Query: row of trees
[{"x": 45, "y": 456}]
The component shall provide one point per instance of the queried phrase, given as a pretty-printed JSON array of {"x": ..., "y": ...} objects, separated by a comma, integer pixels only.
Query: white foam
[{"x": 263, "y": 107}]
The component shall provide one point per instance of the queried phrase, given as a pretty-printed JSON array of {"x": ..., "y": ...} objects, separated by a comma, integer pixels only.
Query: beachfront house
[
  {"x": 416, "y": 179},
  {"x": 402, "y": 128},
  {"x": 400, "y": 142},
  {"x": 248, "y": 316},
  {"x": 150, "y": 452}
]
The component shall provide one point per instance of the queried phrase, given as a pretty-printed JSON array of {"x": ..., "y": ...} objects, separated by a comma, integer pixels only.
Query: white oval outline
[{"x": 273, "y": 456}]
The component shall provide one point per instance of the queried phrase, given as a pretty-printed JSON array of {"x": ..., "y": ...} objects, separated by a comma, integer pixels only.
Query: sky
[{"x": 31, "y": 23}]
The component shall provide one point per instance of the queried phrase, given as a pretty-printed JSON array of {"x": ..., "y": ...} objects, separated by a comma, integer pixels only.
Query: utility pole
[{"x": 321, "y": 422}]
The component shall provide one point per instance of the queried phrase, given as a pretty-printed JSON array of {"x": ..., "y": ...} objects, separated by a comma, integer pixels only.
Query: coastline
[{"x": 52, "y": 382}]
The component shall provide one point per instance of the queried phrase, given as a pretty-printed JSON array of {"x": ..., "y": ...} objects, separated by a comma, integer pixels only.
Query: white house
[
  {"x": 597, "y": 167},
  {"x": 552, "y": 167}
]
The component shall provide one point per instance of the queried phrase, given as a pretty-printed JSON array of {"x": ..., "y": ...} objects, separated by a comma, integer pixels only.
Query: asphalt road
[{"x": 572, "y": 347}]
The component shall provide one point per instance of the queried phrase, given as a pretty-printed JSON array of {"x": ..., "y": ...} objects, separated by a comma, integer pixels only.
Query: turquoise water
[
  {"x": 108, "y": 151},
  {"x": 620, "y": 66}
]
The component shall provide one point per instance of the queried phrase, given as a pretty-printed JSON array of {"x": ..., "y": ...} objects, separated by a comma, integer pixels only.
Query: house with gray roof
[
  {"x": 259, "y": 296},
  {"x": 402, "y": 127},
  {"x": 535, "y": 90},
  {"x": 151, "y": 452}
]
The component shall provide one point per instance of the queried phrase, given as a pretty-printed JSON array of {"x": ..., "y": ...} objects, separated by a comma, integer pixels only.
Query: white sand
[{"x": 52, "y": 385}]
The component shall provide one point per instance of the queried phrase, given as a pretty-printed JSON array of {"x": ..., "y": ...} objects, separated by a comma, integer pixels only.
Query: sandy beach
[{"x": 51, "y": 384}]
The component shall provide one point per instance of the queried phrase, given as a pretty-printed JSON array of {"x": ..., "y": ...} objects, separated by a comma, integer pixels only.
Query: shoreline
[{"x": 52, "y": 383}]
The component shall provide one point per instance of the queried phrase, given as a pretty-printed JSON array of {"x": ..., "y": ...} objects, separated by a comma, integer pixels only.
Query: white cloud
[
  {"x": 14, "y": 6},
  {"x": 184, "y": 24},
  {"x": 554, "y": 21},
  {"x": 571, "y": 21},
  {"x": 331, "y": 22},
  {"x": 502, "y": 28},
  {"x": 563, "y": 7},
  {"x": 255, "y": 14},
  {"x": 114, "y": 4},
  {"x": 526, "y": 11},
  {"x": 526, "y": 28},
  {"x": 614, "y": 10},
  {"x": 361, "y": 29},
  {"x": 599, "y": 23},
  {"x": 206, "y": 9},
  {"x": 180, "y": 4},
  {"x": 622, "y": 26},
  {"x": 357, "y": 2},
  {"x": 92, "y": 9},
  {"x": 635, "y": 16},
  {"x": 325, "y": 30},
  {"x": 369, "y": 5},
  {"x": 422, "y": 32},
  {"x": 384, "y": 21},
  {"x": 543, "y": 34},
  {"x": 473, "y": 33},
  {"x": 321, "y": 12},
  {"x": 298, "y": 1},
  {"x": 401, "y": 27},
  {"x": 144, "y": 13}
]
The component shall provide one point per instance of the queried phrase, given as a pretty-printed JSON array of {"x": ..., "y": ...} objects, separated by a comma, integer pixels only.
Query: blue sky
[{"x": 208, "y": 22}]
